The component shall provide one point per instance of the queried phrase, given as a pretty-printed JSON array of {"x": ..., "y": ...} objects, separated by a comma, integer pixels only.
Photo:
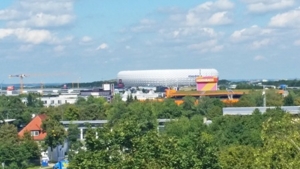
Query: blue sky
[{"x": 91, "y": 40}]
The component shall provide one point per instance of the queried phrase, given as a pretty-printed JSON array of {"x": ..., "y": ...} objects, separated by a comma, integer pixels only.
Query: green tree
[
  {"x": 56, "y": 134},
  {"x": 16, "y": 153},
  {"x": 274, "y": 98},
  {"x": 188, "y": 106},
  {"x": 73, "y": 142},
  {"x": 71, "y": 113},
  {"x": 281, "y": 141},
  {"x": 33, "y": 101},
  {"x": 31, "y": 147},
  {"x": 237, "y": 157},
  {"x": 288, "y": 100}
]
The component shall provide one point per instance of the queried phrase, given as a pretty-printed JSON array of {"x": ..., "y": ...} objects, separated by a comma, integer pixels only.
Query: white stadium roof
[{"x": 164, "y": 77}]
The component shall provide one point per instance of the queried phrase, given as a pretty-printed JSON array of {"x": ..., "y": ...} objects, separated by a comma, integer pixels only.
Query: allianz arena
[{"x": 167, "y": 77}]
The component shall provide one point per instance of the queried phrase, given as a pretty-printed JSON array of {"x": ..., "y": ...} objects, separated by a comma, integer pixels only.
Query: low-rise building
[{"x": 34, "y": 128}]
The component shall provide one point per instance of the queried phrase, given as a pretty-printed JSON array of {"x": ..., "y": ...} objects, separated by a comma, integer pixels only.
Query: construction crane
[{"x": 21, "y": 76}]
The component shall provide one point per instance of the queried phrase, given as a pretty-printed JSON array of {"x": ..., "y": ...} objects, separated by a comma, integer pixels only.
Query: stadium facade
[{"x": 164, "y": 77}]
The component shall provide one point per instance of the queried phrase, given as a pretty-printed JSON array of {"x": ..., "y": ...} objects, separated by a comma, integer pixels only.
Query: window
[
  {"x": 59, "y": 101},
  {"x": 52, "y": 101},
  {"x": 35, "y": 133}
]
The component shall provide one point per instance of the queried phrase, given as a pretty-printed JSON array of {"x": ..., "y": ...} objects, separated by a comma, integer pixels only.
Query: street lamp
[{"x": 265, "y": 99}]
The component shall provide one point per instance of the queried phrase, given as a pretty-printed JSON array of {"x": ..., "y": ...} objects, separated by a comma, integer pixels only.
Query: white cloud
[
  {"x": 43, "y": 20},
  {"x": 297, "y": 43},
  {"x": 260, "y": 43},
  {"x": 287, "y": 19},
  {"x": 261, "y": 6},
  {"x": 59, "y": 48},
  {"x": 259, "y": 57},
  {"x": 210, "y": 13},
  {"x": 250, "y": 33},
  {"x": 39, "y": 13},
  {"x": 213, "y": 6},
  {"x": 189, "y": 31},
  {"x": 28, "y": 35},
  {"x": 9, "y": 14},
  {"x": 102, "y": 46},
  {"x": 86, "y": 39},
  {"x": 144, "y": 25},
  {"x": 52, "y": 6},
  {"x": 219, "y": 18},
  {"x": 208, "y": 46}
]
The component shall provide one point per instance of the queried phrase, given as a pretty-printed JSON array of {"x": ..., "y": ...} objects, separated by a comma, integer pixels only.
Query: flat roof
[
  {"x": 101, "y": 121},
  {"x": 7, "y": 120},
  {"x": 212, "y": 93},
  {"x": 250, "y": 110}
]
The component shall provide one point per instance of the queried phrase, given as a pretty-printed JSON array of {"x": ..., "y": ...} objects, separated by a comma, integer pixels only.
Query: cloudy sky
[{"x": 91, "y": 40}]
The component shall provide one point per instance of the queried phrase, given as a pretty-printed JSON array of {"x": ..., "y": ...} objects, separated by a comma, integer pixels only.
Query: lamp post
[{"x": 265, "y": 99}]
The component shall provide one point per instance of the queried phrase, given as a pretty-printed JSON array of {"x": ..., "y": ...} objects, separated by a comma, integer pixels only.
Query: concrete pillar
[{"x": 81, "y": 134}]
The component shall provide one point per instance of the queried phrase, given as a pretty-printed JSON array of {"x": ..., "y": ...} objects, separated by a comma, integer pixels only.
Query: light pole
[{"x": 265, "y": 99}]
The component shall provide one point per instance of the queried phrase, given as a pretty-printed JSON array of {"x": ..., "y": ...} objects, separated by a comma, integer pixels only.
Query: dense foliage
[{"x": 133, "y": 138}]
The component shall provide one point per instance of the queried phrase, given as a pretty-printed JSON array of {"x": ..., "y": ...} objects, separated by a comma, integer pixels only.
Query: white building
[
  {"x": 141, "y": 96},
  {"x": 59, "y": 100}
]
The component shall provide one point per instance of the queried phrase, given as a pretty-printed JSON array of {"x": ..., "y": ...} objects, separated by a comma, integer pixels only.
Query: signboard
[
  {"x": 193, "y": 76},
  {"x": 206, "y": 79}
]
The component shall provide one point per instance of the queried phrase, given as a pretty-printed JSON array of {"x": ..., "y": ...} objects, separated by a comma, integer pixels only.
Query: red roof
[{"x": 35, "y": 125}]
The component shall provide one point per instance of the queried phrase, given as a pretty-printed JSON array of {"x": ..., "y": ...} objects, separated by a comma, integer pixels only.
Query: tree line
[{"x": 134, "y": 139}]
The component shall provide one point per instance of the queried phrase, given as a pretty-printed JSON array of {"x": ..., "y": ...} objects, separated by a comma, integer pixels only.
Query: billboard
[{"x": 207, "y": 79}]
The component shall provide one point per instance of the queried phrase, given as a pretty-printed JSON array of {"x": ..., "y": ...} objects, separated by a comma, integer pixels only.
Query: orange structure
[
  {"x": 34, "y": 128},
  {"x": 207, "y": 83},
  {"x": 228, "y": 97}
]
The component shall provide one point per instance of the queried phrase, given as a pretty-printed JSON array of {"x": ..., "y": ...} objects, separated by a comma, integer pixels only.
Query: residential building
[{"x": 34, "y": 127}]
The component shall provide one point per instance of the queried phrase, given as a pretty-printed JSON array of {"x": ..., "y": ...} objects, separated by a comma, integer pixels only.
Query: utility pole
[{"x": 265, "y": 99}]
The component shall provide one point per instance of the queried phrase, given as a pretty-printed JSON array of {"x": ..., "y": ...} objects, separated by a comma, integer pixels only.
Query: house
[{"x": 34, "y": 127}]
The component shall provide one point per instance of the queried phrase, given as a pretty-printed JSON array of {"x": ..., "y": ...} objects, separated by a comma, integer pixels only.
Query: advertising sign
[{"x": 206, "y": 79}]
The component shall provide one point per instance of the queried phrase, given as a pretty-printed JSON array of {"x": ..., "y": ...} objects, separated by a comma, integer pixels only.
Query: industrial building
[{"x": 170, "y": 78}]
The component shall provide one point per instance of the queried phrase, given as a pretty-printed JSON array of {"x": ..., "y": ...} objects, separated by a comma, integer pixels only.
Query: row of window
[{"x": 53, "y": 101}]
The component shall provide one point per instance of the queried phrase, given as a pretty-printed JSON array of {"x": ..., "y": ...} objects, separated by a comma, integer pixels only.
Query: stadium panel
[{"x": 164, "y": 77}]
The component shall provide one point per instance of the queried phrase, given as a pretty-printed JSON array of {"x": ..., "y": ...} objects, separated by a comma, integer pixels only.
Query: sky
[{"x": 92, "y": 40}]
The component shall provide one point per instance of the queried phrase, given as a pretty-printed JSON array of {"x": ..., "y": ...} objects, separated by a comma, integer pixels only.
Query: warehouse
[{"x": 164, "y": 77}]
